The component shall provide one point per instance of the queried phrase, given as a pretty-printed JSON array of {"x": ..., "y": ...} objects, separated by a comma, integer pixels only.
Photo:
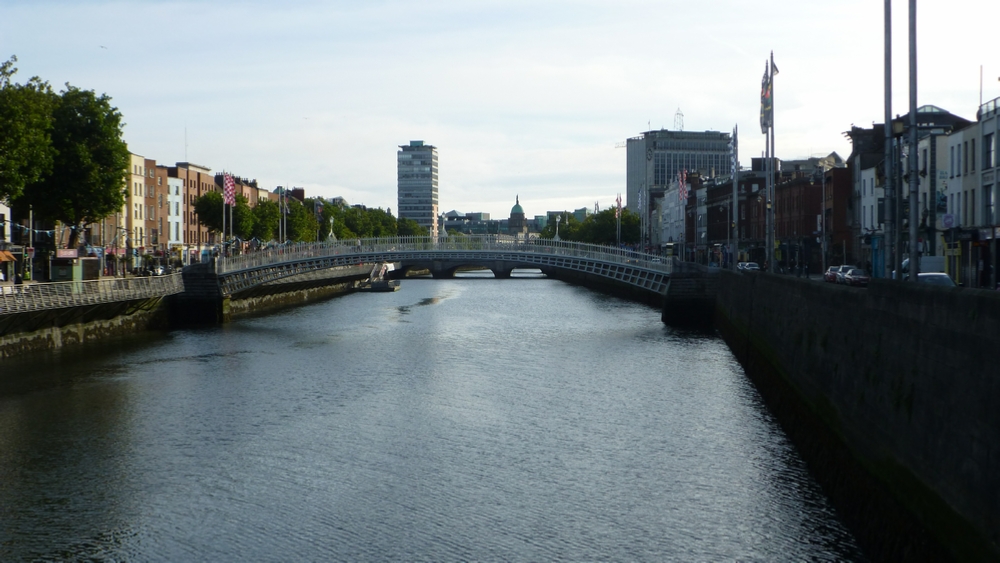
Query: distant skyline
[{"x": 520, "y": 97}]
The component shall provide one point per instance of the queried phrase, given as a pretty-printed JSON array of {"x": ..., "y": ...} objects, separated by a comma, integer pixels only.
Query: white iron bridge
[{"x": 442, "y": 257}]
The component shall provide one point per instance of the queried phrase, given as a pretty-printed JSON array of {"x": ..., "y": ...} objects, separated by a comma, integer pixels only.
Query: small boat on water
[
  {"x": 379, "y": 285},
  {"x": 377, "y": 281}
]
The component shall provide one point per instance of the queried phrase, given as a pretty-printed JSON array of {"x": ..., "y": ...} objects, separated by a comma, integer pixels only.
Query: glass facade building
[
  {"x": 417, "y": 184},
  {"x": 655, "y": 158}
]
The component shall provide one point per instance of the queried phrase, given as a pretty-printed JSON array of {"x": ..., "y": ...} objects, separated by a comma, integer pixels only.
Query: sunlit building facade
[{"x": 417, "y": 184}]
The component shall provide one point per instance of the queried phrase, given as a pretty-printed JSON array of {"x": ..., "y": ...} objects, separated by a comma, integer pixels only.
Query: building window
[
  {"x": 972, "y": 155},
  {"x": 988, "y": 218},
  {"x": 989, "y": 152},
  {"x": 972, "y": 207},
  {"x": 965, "y": 160},
  {"x": 951, "y": 161}
]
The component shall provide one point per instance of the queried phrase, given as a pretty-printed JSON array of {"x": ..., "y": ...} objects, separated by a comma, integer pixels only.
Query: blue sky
[{"x": 521, "y": 98}]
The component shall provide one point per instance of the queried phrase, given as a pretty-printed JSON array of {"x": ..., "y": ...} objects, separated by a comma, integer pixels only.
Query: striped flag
[
  {"x": 618, "y": 210},
  {"x": 682, "y": 191},
  {"x": 228, "y": 190}
]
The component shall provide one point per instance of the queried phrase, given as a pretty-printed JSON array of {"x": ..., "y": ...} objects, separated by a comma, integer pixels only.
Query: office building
[{"x": 417, "y": 184}]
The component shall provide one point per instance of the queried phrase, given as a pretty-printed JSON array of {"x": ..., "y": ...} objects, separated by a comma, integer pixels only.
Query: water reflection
[{"x": 512, "y": 420}]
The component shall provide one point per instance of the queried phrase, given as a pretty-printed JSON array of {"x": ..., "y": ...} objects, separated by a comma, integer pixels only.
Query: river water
[{"x": 455, "y": 420}]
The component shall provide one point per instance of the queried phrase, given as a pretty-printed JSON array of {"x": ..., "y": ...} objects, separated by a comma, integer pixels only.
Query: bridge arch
[{"x": 442, "y": 257}]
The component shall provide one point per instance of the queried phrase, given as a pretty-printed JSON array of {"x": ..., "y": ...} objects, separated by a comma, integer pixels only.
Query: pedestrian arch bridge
[{"x": 442, "y": 257}]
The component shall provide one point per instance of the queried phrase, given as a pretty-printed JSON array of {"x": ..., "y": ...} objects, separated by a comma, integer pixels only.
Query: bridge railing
[
  {"x": 55, "y": 295},
  {"x": 403, "y": 245}
]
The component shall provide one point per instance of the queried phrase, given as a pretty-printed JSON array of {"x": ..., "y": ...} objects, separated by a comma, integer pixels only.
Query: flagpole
[
  {"x": 775, "y": 169},
  {"x": 224, "y": 211},
  {"x": 735, "y": 250}
]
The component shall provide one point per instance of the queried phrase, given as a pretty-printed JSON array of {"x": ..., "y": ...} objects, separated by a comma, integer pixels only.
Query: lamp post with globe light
[{"x": 558, "y": 218}]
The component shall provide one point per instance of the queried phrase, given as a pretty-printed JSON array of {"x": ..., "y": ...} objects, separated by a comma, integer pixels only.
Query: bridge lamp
[{"x": 558, "y": 218}]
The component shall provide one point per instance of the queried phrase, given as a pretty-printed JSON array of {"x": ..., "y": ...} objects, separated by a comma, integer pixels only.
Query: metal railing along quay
[
  {"x": 57, "y": 295},
  {"x": 399, "y": 247}
]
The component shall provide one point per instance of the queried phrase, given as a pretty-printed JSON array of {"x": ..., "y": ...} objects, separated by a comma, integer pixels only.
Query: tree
[
  {"x": 567, "y": 227},
  {"x": 90, "y": 165},
  {"x": 208, "y": 207},
  {"x": 266, "y": 216},
  {"x": 382, "y": 222},
  {"x": 26, "y": 153},
  {"x": 602, "y": 228},
  {"x": 301, "y": 222},
  {"x": 406, "y": 227},
  {"x": 243, "y": 218}
]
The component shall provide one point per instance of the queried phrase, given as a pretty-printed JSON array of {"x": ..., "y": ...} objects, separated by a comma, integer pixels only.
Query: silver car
[{"x": 842, "y": 271}]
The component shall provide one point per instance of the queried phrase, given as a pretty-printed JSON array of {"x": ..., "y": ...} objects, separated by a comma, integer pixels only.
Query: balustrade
[
  {"x": 402, "y": 246},
  {"x": 57, "y": 295}
]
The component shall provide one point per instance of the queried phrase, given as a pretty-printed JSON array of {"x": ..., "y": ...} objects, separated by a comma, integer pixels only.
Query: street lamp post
[
  {"x": 822, "y": 223},
  {"x": 558, "y": 218}
]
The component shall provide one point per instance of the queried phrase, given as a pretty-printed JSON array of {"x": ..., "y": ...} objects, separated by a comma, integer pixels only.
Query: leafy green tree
[
  {"x": 90, "y": 166},
  {"x": 301, "y": 222},
  {"x": 568, "y": 227},
  {"x": 406, "y": 227},
  {"x": 243, "y": 218},
  {"x": 382, "y": 222},
  {"x": 26, "y": 153},
  {"x": 357, "y": 221},
  {"x": 266, "y": 216},
  {"x": 602, "y": 228},
  {"x": 208, "y": 207},
  {"x": 324, "y": 215}
]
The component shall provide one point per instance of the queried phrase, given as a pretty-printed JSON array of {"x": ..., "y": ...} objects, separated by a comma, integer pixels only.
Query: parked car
[
  {"x": 842, "y": 271},
  {"x": 830, "y": 275},
  {"x": 750, "y": 266},
  {"x": 856, "y": 277},
  {"x": 936, "y": 278}
]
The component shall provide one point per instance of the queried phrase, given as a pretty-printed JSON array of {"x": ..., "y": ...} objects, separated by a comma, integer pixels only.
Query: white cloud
[{"x": 522, "y": 98}]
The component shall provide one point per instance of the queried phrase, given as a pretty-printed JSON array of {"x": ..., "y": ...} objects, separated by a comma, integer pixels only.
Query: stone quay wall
[{"x": 904, "y": 379}]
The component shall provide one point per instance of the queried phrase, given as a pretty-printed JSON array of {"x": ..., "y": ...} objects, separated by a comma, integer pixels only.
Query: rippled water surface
[{"x": 466, "y": 419}]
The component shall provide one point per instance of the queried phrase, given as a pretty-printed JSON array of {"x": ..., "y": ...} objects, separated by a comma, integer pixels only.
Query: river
[{"x": 454, "y": 420}]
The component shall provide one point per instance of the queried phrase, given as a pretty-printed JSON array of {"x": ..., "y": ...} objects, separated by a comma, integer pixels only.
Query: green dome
[{"x": 517, "y": 207}]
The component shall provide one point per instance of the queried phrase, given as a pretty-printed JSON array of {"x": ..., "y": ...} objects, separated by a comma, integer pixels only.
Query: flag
[
  {"x": 618, "y": 210},
  {"x": 774, "y": 67},
  {"x": 228, "y": 190},
  {"x": 765, "y": 100},
  {"x": 682, "y": 191}
]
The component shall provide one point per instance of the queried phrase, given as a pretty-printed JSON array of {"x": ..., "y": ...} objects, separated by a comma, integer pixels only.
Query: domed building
[{"x": 517, "y": 225}]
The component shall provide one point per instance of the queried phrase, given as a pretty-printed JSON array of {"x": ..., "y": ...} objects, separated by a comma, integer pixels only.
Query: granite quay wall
[
  {"x": 605, "y": 285},
  {"x": 77, "y": 322},
  {"x": 896, "y": 388},
  {"x": 46, "y": 330},
  {"x": 297, "y": 290}
]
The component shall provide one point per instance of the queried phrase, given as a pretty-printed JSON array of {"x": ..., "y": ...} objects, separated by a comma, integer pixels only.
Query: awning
[{"x": 6, "y": 256}]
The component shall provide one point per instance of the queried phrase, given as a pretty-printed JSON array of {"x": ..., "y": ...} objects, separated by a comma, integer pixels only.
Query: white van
[{"x": 927, "y": 264}]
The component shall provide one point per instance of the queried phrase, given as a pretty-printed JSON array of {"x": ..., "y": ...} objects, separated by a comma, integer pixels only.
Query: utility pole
[
  {"x": 890, "y": 166},
  {"x": 914, "y": 158}
]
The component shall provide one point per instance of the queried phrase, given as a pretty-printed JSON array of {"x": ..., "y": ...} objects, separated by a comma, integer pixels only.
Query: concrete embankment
[
  {"x": 42, "y": 331},
  {"x": 605, "y": 285},
  {"x": 893, "y": 396},
  {"x": 200, "y": 304}
]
